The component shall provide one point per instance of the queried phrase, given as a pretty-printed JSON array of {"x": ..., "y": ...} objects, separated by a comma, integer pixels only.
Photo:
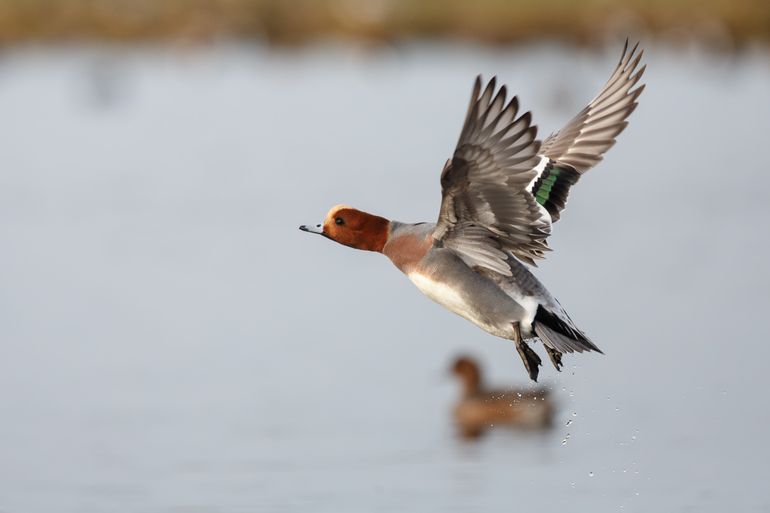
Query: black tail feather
[{"x": 560, "y": 335}]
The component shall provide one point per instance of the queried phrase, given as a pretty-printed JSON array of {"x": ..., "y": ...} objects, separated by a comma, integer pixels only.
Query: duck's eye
[{"x": 339, "y": 220}]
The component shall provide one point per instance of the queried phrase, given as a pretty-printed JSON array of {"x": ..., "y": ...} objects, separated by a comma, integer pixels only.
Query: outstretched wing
[
  {"x": 486, "y": 210},
  {"x": 580, "y": 145}
]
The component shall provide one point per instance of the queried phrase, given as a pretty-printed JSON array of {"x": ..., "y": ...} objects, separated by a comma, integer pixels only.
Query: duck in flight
[{"x": 502, "y": 191}]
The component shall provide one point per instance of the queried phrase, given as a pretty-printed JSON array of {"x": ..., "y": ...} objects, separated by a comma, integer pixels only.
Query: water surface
[{"x": 171, "y": 342}]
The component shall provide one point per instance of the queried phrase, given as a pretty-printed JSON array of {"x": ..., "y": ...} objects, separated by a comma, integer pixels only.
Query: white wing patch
[{"x": 539, "y": 168}]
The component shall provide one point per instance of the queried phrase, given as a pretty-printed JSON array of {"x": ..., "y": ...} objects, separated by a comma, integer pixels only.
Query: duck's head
[
  {"x": 353, "y": 228},
  {"x": 467, "y": 370}
]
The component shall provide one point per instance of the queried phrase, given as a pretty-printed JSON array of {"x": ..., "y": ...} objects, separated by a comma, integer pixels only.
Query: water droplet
[
  {"x": 617, "y": 409},
  {"x": 591, "y": 474},
  {"x": 636, "y": 493},
  {"x": 574, "y": 414},
  {"x": 569, "y": 422},
  {"x": 625, "y": 470},
  {"x": 572, "y": 484},
  {"x": 633, "y": 437}
]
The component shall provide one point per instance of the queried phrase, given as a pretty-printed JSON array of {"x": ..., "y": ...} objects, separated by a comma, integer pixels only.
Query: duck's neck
[
  {"x": 378, "y": 233},
  {"x": 407, "y": 244},
  {"x": 471, "y": 384}
]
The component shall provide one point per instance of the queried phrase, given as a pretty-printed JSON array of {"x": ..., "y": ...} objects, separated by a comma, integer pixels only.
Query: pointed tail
[{"x": 560, "y": 334}]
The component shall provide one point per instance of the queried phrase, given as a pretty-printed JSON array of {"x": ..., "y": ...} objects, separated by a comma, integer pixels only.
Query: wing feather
[
  {"x": 580, "y": 144},
  {"x": 486, "y": 211},
  {"x": 502, "y": 189},
  {"x": 583, "y": 141}
]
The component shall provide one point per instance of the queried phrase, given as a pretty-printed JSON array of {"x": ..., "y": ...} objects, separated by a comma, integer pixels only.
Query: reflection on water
[{"x": 171, "y": 342}]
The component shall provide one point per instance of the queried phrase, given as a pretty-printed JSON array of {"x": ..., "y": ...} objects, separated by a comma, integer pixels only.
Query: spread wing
[
  {"x": 580, "y": 145},
  {"x": 487, "y": 212}
]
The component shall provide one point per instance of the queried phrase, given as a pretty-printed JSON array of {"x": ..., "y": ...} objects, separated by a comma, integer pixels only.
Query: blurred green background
[{"x": 720, "y": 22}]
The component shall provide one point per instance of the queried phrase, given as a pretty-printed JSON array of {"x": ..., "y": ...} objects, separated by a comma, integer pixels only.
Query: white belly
[
  {"x": 442, "y": 294},
  {"x": 454, "y": 301}
]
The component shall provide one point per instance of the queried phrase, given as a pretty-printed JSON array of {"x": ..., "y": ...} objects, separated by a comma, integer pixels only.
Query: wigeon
[
  {"x": 479, "y": 409},
  {"x": 502, "y": 190}
]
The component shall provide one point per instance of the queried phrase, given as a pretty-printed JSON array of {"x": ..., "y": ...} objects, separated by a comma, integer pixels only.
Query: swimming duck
[
  {"x": 502, "y": 191},
  {"x": 478, "y": 409}
]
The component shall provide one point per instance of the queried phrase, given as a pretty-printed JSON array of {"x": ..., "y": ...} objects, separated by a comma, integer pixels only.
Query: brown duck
[{"x": 479, "y": 409}]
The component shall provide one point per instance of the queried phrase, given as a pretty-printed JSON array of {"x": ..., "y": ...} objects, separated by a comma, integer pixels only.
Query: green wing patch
[{"x": 552, "y": 187}]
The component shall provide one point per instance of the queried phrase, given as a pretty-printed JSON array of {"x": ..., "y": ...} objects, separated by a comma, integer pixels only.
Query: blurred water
[{"x": 171, "y": 342}]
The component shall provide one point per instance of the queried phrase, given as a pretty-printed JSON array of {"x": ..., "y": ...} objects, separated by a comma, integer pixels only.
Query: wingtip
[
  {"x": 513, "y": 105},
  {"x": 476, "y": 88},
  {"x": 492, "y": 84},
  {"x": 639, "y": 73},
  {"x": 626, "y": 55}
]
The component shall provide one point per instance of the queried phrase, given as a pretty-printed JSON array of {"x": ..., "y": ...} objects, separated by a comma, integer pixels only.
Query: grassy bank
[{"x": 298, "y": 21}]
